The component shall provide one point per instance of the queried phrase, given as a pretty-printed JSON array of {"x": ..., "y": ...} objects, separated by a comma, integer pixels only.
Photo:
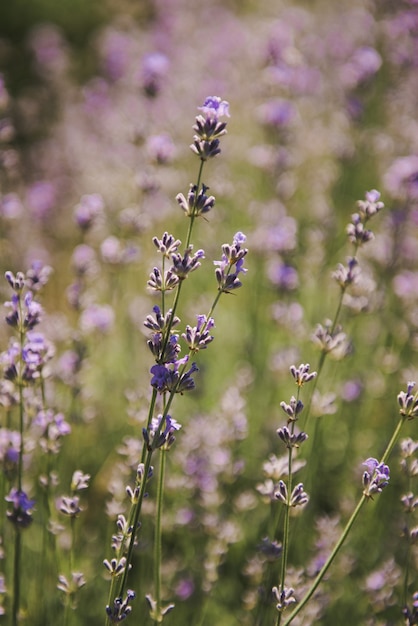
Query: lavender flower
[
  {"x": 408, "y": 402},
  {"x": 184, "y": 265},
  {"x": 302, "y": 375},
  {"x": 197, "y": 203},
  {"x": 163, "y": 282},
  {"x": 214, "y": 107},
  {"x": 70, "y": 505},
  {"x": 298, "y": 496},
  {"x": 26, "y": 315},
  {"x": 291, "y": 440},
  {"x": 160, "y": 322},
  {"x": 160, "y": 434},
  {"x": 232, "y": 258},
  {"x": 347, "y": 275},
  {"x": 169, "y": 378},
  {"x": 120, "y": 609},
  {"x": 293, "y": 409},
  {"x": 198, "y": 337},
  {"x": 285, "y": 597},
  {"x": 375, "y": 478},
  {"x": 164, "y": 351},
  {"x": 208, "y": 128},
  {"x": 331, "y": 341},
  {"x": 167, "y": 245},
  {"x": 21, "y": 514}
]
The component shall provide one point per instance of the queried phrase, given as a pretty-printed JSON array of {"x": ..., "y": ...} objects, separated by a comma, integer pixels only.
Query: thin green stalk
[
  {"x": 157, "y": 534},
  {"x": 345, "y": 532},
  {"x": 16, "y": 577}
]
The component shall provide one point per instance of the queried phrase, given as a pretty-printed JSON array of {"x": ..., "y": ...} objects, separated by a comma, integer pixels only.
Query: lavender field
[{"x": 209, "y": 339}]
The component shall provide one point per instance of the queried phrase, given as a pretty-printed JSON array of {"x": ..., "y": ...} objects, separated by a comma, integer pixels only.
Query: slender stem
[
  {"x": 16, "y": 577},
  {"x": 157, "y": 534}
]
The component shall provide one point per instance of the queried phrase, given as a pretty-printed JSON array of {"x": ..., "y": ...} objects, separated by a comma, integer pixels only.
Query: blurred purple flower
[
  {"x": 161, "y": 148},
  {"x": 90, "y": 207},
  {"x": 154, "y": 69},
  {"x": 97, "y": 317},
  {"x": 41, "y": 198},
  {"x": 11, "y": 206},
  {"x": 116, "y": 54},
  {"x": 401, "y": 179},
  {"x": 277, "y": 112},
  {"x": 283, "y": 276}
]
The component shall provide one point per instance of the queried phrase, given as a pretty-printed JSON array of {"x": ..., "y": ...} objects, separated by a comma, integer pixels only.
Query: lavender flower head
[
  {"x": 214, "y": 107},
  {"x": 21, "y": 515},
  {"x": 375, "y": 478},
  {"x": 232, "y": 258},
  {"x": 208, "y": 128},
  {"x": 408, "y": 402}
]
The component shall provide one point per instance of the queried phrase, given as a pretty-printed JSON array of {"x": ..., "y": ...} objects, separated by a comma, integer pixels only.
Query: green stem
[
  {"x": 157, "y": 534},
  {"x": 16, "y": 577}
]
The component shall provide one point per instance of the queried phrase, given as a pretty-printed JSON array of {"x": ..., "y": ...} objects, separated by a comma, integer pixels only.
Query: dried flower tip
[{"x": 302, "y": 374}]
